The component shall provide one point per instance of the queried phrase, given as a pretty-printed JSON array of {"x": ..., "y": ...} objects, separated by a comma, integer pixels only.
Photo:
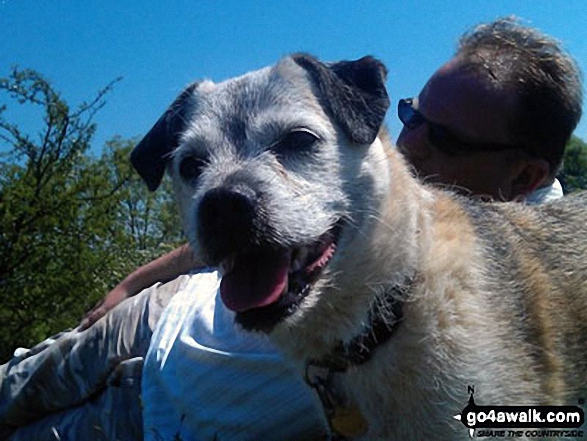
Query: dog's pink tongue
[{"x": 256, "y": 280}]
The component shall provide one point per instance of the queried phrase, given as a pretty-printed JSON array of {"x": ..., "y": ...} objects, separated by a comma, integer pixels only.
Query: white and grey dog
[{"x": 396, "y": 296}]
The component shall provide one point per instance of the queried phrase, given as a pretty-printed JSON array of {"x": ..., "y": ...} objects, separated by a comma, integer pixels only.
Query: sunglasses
[{"x": 444, "y": 139}]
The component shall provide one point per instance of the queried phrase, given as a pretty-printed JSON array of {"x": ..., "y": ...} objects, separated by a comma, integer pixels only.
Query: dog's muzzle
[{"x": 263, "y": 280}]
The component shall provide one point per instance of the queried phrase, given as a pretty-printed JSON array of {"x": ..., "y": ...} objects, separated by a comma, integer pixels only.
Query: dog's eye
[
  {"x": 299, "y": 140},
  {"x": 191, "y": 167}
]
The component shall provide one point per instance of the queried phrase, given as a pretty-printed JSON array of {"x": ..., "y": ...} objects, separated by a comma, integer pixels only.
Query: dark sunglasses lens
[{"x": 409, "y": 116}]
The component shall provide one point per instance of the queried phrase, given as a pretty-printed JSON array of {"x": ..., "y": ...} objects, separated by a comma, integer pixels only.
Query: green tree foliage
[
  {"x": 71, "y": 225},
  {"x": 573, "y": 175}
]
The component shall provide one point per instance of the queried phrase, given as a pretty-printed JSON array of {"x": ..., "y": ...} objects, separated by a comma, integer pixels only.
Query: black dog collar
[{"x": 384, "y": 317}]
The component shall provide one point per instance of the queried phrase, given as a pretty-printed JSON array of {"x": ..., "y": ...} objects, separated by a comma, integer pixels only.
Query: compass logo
[{"x": 521, "y": 417}]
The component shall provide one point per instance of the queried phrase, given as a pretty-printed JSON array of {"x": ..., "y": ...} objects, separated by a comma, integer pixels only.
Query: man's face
[{"x": 462, "y": 103}]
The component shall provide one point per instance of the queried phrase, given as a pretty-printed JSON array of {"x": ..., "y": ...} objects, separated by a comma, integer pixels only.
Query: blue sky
[{"x": 160, "y": 46}]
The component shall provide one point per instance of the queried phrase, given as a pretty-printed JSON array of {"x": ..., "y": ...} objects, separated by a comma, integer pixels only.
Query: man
[
  {"x": 495, "y": 119},
  {"x": 492, "y": 122}
]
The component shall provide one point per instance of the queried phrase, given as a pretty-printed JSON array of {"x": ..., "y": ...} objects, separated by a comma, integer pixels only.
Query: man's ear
[
  {"x": 352, "y": 93},
  {"x": 530, "y": 175},
  {"x": 151, "y": 155}
]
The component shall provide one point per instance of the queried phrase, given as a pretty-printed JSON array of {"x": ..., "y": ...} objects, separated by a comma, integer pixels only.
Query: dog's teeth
[
  {"x": 300, "y": 258},
  {"x": 296, "y": 265},
  {"x": 226, "y": 265},
  {"x": 230, "y": 263}
]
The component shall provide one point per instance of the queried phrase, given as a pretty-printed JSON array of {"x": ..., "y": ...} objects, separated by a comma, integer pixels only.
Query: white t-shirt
[
  {"x": 546, "y": 194},
  {"x": 206, "y": 379}
]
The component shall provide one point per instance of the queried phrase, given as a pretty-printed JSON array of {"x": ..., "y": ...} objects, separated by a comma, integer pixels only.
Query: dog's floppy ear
[
  {"x": 352, "y": 92},
  {"x": 150, "y": 156}
]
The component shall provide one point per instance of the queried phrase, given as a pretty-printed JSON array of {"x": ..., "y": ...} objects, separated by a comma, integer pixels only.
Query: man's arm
[{"x": 165, "y": 268}]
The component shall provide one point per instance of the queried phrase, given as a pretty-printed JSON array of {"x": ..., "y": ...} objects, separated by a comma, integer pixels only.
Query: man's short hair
[{"x": 545, "y": 79}]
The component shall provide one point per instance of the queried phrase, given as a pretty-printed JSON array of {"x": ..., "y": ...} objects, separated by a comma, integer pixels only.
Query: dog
[{"x": 399, "y": 299}]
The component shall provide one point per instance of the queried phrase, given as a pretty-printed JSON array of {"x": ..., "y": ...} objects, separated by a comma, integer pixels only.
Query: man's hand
[
  {"x": 113, "y": 298},
  {"x": 165, "y": 268}
]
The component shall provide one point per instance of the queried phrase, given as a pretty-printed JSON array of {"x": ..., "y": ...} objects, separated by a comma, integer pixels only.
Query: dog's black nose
[{"x": 226, "y": 220}]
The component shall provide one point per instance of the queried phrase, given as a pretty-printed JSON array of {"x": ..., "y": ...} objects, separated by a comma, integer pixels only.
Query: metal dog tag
[
  {"x": 349, "y": 421},
  {"x": 345, "y": 420}
]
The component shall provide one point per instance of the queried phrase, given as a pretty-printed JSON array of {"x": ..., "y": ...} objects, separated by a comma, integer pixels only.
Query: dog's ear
[
  {"x": 150, "y": 156},
  {"x": 352, "y": 92}
]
